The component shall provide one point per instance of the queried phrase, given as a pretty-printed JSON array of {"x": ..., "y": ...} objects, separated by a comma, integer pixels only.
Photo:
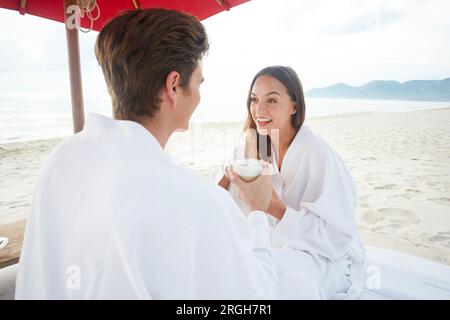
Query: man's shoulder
[
  {"x": 176, "y": 195},
  {"x": 68, "y": 146},
  {"x": 150, "y": 178},
  {"x": 60, "y": 151}
]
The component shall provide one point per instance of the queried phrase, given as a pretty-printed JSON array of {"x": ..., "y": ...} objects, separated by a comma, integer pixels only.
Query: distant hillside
[{"x": 423, "y": 90}]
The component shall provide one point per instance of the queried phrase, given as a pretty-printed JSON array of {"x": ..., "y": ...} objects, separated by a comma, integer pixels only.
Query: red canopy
[{"x": 54, "y": 9}]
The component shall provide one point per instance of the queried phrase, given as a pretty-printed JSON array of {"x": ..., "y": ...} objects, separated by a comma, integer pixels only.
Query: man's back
[{"x": 114, "y": 217}]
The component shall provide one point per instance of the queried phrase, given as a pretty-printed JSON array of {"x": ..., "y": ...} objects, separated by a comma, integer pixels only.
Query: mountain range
[{"x": 421, "y": 90}]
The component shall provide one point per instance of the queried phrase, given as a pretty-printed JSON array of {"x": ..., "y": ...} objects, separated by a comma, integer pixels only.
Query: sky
[{"x": 325, "y": 41}]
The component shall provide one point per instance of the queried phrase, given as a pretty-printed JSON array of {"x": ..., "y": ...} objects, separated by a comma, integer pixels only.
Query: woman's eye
[
  {"x": 272, "y": 101},
  {"x": 252, "y": 99}
]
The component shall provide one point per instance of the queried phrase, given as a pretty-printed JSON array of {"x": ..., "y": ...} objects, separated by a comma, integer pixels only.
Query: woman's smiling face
[{"x": 271, "y": 106}]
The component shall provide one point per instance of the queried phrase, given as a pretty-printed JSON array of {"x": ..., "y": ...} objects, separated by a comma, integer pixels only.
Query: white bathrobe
[
  {"x": 114, "y": 217},
  {"x": 317, "y": 236}
]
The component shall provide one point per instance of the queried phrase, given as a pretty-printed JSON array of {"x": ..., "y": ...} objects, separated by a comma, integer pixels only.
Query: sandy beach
[{"x": 400, "y": 163}]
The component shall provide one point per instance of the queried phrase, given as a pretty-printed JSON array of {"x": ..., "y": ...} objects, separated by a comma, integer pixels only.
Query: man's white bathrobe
[
  {"x": 113, "y": 216},
  {"x": 317, "y": 237}
]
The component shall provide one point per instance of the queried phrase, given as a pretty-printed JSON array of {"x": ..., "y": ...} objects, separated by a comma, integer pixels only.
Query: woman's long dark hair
[{"x": 289, "y": 78}]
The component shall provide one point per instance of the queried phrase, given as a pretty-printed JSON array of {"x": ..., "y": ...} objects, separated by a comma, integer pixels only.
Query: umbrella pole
[{"x": 76, "y": 87}]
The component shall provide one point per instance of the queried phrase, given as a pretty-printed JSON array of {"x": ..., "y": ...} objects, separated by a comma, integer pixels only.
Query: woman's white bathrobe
[{"x": 317, "y": 237}]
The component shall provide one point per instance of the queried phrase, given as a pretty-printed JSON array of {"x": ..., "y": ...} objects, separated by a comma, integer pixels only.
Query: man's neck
[{"x": 160, "y": 130}]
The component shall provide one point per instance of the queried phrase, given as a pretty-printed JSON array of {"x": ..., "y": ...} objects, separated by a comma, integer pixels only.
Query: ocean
[{"x": 24, "y": 118}]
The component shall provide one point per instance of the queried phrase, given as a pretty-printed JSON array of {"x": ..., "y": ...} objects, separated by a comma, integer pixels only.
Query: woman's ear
[{"x": 294, "y": 109}]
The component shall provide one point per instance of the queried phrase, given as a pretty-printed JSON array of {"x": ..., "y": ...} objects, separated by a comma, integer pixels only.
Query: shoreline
[{"x": 233, "y": 123}]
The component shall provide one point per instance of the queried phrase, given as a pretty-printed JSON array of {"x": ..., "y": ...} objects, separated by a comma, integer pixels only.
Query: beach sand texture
[{"x": 400, "y": 163}]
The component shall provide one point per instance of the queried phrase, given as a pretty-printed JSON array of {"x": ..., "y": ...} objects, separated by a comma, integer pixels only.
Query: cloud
[{"x": 365, "y": 22}]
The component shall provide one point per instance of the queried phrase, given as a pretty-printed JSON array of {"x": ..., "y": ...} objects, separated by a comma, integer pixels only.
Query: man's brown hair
[{"x": 139, "y": 48}]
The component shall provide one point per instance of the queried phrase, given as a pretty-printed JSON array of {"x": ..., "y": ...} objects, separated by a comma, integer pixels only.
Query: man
[{"x": 114, "y": 217}]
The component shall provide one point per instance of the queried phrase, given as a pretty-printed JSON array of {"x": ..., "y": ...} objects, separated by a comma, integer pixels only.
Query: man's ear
[{"x": 172, "y": 83}]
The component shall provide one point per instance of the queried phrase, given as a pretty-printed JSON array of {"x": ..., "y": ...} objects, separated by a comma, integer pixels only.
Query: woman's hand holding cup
[{"x": 254, "y": 188}]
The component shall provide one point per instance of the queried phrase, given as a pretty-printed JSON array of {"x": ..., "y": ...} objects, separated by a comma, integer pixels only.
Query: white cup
[{"x": 247, "y": 169}]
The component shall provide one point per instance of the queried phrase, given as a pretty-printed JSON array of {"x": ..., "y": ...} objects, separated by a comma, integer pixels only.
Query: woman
[{"x": 314, "y": 232}]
